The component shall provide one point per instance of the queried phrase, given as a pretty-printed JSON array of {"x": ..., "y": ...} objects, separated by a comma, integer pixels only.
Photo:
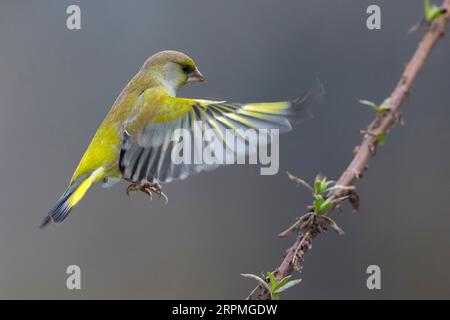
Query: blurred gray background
[{"x": 57, "y": 85}]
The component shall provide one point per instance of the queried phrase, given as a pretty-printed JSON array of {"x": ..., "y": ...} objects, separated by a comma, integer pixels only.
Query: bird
[{"x": 133, "y": 142}]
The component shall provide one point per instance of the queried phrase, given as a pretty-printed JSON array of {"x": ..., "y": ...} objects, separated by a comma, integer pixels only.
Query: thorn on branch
[
  {"x": 299, "y": 182},
  {"x": 300, "y": 250},
  {"x": 313, "y": 223},
  {"x": 368, "y": 133},
  {"x": 399, "y": 119}
]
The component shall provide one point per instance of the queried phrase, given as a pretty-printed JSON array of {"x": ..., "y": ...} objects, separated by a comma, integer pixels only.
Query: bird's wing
[{"x": 151, "y": 139}]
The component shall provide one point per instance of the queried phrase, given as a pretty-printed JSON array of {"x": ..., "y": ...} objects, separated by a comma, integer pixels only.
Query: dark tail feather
[
  {"x": 45, "y": 222},
  {"x": 62, "y": 207}
]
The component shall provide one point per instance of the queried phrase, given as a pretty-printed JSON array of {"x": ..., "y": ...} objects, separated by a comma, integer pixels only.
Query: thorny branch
[{"x": 308, "y": 229}]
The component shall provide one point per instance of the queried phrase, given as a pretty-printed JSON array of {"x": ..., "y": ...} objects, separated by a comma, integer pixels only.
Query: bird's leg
[
  {"x": 133, "y": 188},
  {"x": 148, "y": 188}
]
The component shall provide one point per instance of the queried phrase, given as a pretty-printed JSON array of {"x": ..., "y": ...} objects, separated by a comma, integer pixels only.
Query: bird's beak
[{"x": 196, "y": 76}]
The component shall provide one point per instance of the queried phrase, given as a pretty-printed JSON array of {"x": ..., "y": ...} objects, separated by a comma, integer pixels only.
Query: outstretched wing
[{"x": 151, "y": 139}]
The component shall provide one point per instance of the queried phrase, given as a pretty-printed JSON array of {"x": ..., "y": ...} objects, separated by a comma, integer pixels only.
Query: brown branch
[{"x": 383, "y": 122}]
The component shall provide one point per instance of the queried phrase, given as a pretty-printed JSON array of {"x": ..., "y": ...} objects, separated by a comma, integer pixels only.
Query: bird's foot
[{"x": 148, "y": 188}]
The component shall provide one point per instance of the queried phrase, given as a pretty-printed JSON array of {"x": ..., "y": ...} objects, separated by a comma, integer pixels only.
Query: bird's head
[{"x": 171, "y": 69}]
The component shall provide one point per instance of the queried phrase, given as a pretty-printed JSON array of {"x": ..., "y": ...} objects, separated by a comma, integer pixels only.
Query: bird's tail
[{"x": 74, "y": 193}]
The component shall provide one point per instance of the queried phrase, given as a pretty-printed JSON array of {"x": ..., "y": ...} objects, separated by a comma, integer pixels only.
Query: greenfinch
[{"x": 134, "y": 143}]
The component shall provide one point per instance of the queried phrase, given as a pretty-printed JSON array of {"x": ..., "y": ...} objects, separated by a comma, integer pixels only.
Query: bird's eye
[{"x": 187, "y": 69}]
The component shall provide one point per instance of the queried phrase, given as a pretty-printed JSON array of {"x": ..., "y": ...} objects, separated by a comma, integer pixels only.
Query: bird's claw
[
  {"x": 155, "y": 188},
  {"x": 132, "y": 188},
  {"x": 148, "y": 188}
]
